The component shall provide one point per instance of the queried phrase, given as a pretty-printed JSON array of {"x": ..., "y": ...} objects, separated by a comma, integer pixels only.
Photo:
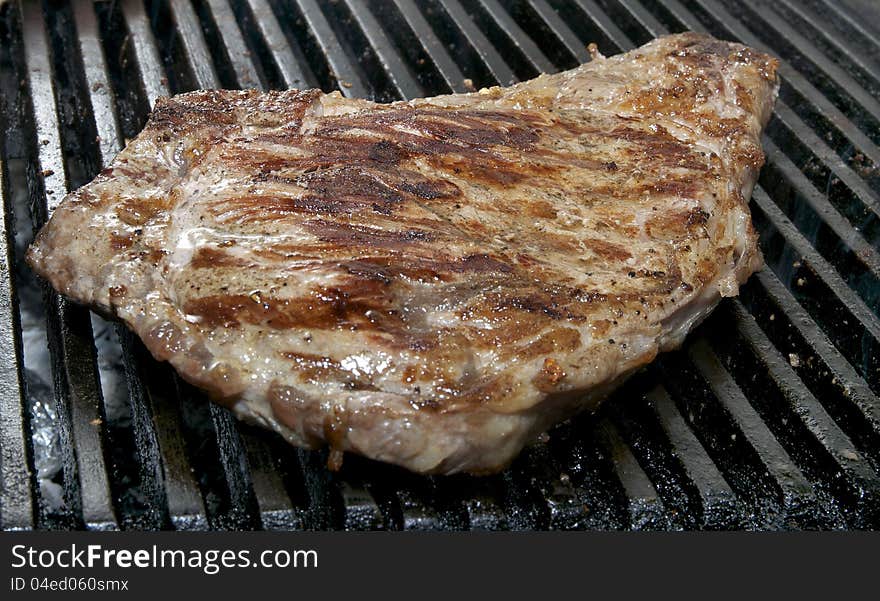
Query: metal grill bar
[
  {"x": 392, "y": 63},
  {"x": 787, "y": 481},
  {"x": 97, "y": 81},
  {"x": 603, "y": 22},
  {"x": 274, "y": 506},
  {"x": 42, "y": 92},
  {"x": 855, "y": 306},
  {"x": 70, "y": 344},
  {"x": 194, "y": 44},
  {"x": 845, "y": 33},
  {"x": 141, "y": 36},
  {"x": 565, "y": 506},
  {"x": 566, "y": 36},
  {"x": 845, "y": 468},
  {"x": 774, "y": 27},
  {"x": 587, "y": 468},
  {"x": 829, "y": 217},
  {"x": 186, "y": 507},
  {"x": 243, "y": 511},
  {"x": 719, "y": 506},
  {"x": 644, "y": 18},
  {"x": 342, "y": 71},
  {"x": 16, "y": 503},
  {"x": 852, "y": 404},
  {"x": 845, "y": 190},
  {"x": 515, "y": 36},
  {"x": 643, "y": 505},
  {"x": 487, "y": 53},
  {"x": 275, "y": 39},
  {"x": 435, "y": 49},
  {"x": 233, "y": 41}
]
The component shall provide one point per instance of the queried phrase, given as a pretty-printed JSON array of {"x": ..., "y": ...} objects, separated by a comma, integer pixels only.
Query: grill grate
[{"x": 768, "y": 418}]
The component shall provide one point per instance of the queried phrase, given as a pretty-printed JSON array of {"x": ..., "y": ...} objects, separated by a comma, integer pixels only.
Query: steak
[{"x": 430, "y": 283}]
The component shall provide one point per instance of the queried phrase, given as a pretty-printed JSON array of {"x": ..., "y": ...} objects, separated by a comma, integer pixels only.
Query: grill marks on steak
[{"x": 433, "y": 282}]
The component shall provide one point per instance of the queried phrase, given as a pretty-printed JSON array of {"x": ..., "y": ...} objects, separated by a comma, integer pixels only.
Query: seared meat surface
[{"x": 430, "y": 283}]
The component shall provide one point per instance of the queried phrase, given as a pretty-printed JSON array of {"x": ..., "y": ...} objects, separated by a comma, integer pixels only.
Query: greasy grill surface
[{"x": 767, "y": 418}]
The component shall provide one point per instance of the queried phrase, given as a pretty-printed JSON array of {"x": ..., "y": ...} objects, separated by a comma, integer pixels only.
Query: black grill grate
[{"x": 768, "y": 418}]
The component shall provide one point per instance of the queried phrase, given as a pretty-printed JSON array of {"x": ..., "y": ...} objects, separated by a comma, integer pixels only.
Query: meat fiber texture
[{"x": 430, "y": 283}]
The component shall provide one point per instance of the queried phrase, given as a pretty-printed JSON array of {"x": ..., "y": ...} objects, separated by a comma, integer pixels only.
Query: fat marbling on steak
[{"x": 430, "y": 283}]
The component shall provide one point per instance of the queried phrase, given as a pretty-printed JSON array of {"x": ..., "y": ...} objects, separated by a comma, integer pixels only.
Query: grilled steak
[{"x": 430, "y": 283}]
